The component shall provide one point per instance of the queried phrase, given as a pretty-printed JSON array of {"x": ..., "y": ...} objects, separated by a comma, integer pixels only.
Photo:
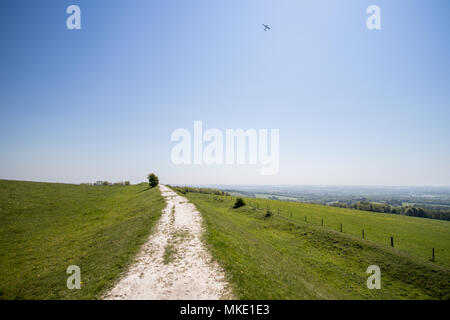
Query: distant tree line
[
  {"x": 413, "y": 211},
  {"x": 216, "y": 192},
  {"x": 107, "y": 183}
]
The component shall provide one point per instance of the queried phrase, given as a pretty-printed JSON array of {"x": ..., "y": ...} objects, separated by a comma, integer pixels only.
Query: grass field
[
  {"x": 283, "y": 258},
  {"x": 416, "y": 236},
  {"x": 46, "y": 227}
]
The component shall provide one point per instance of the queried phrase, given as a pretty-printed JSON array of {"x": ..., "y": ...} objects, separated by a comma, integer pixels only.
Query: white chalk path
[{"x": 188, "y": 273}]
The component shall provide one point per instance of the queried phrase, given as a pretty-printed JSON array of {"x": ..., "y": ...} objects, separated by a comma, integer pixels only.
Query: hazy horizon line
[{"x": 248, "y": 185}]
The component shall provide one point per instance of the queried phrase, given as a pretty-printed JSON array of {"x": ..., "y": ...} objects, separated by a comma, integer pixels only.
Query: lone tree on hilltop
[{"x": 153, "y": 180}]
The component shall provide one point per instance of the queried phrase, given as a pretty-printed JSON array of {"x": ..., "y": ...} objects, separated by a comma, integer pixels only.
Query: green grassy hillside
[
  {"x": 416, "y": 236},
  {"x": 46, "y": 227},
  {"x": 283, "y": 258}
]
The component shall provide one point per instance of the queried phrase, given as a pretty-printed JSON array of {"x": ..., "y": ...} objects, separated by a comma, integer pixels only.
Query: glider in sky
[{"x": 266, "y": 27}]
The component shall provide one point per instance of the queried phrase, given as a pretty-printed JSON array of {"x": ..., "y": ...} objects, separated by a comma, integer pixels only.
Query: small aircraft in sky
[{"x": 266, "y": 27}]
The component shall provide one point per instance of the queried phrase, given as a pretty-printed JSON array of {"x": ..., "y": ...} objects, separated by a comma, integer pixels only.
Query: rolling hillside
[
  {"x": 46, "y": 227},
  {"x": 284, "y": 257},
  {"x": 416, "y": 236},
  {"x": 288, "y": 254}
]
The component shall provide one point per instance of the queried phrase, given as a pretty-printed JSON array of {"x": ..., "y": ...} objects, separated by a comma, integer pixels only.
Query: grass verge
[{"x": 46, "y": 227}]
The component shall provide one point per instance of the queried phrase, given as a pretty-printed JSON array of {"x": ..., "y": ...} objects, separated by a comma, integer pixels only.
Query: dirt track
[{"x": 174, "y": 263}]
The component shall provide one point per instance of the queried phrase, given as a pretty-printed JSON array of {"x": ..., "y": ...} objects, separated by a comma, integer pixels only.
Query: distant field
[
  {"x": 282, "y": 258},
  {"x": 46, "y": 227},
  {"x": 267, "y": 196}
]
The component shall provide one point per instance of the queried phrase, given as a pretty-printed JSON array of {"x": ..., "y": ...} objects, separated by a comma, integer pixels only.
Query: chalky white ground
[{"x": 192, "y": 274}]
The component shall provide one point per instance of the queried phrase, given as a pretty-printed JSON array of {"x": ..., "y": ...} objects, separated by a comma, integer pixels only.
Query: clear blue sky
[{"x": 354, "y": 106}]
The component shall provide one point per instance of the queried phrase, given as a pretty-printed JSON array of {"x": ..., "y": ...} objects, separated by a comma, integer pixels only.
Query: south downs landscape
[{"x": 143, "y": 242}]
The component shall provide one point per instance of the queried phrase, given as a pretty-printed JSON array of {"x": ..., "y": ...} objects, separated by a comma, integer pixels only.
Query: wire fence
[{"x": 292, "y": 216}]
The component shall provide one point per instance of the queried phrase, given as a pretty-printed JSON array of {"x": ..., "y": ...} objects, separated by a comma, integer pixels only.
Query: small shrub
[{"x": 239, "y": 203}]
